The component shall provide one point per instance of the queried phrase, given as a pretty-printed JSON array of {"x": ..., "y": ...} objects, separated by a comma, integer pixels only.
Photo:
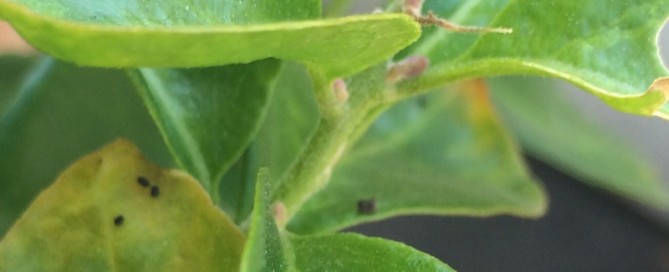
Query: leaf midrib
[{"x": 8, "y": 7}]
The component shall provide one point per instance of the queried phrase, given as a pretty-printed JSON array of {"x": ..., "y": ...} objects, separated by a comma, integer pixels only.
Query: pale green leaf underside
[
  {"x": 98, "y": 217},
  {"x": 352, "y": 252},
  {"x": 556, "y": 132},
  {"x": 140, "y": 36},
  {"x": 442, "y": 154},
  {"x": 607, "y": 47}
]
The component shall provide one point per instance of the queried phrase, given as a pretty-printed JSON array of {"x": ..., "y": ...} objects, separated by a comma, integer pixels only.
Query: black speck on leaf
[
  {"x": 366, "y": 206},
  {"x": 155, "y": 191},
  {"x": 118, "y": 220},
  {"x": 143, "y": 181}
]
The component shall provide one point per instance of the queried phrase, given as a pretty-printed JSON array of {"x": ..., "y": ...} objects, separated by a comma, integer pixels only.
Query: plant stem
[
  {"x": 436, "y": 78},
  {"x": 341, "y": 123},
  {"x": 314, "y": 167}
]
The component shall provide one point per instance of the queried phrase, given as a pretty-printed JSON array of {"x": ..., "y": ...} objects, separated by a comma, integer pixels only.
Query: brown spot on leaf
[{"x": 366, "y": 206}]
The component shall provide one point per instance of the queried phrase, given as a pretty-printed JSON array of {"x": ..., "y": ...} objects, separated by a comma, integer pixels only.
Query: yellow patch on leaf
[{"x": 114, "y": 211}]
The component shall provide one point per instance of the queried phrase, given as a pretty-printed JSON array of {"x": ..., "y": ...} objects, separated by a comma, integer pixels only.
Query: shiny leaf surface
[
  {"x": 606, "y": 47},
  {"x": 207, "y": 115}
]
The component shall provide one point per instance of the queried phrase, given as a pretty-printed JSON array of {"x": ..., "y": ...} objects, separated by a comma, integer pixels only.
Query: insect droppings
[
  {"x": 366, "y": 206},
  {"x": 143, "y": 181},
  {"x": 118, "y": 220},
  {"x": 155, "y": 191}
]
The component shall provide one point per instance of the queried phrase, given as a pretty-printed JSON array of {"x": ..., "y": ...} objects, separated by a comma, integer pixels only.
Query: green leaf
[
  {"x": 264, "y": 248},
  {"x": 98, "y": 217},
  {"x": 175, "y": 33},
  {"x": 208, "y": 115},
  {"x": 606, "y": 47},
  {"x": 345, "y": 114},
  {"x": 59, "y": 113},
  {"x": 292, "y": 118},
  {"x": 442, "y": 154},
  {"x": 558, "y": 133},
  {"x": 271, "y": 249},
  {"x": 12, "y": 69},
  {"x": 353, "y": 252},
  {"x": 237, "y": 186}
]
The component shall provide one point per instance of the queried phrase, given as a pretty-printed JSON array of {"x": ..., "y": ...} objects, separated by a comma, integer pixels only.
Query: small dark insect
[
  {"x": 143, "y": 181},
  {"x": 366, "y": 206},
  {"x": 118, "y": 220},
  {"x": 155, "y": 191}
]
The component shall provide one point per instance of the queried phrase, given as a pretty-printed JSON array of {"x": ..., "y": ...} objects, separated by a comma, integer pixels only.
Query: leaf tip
[{"x": 661, "y": 85}]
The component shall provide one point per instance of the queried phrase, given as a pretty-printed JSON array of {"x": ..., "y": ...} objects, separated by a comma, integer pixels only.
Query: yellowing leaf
[{"x": 114, "y": 211}]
